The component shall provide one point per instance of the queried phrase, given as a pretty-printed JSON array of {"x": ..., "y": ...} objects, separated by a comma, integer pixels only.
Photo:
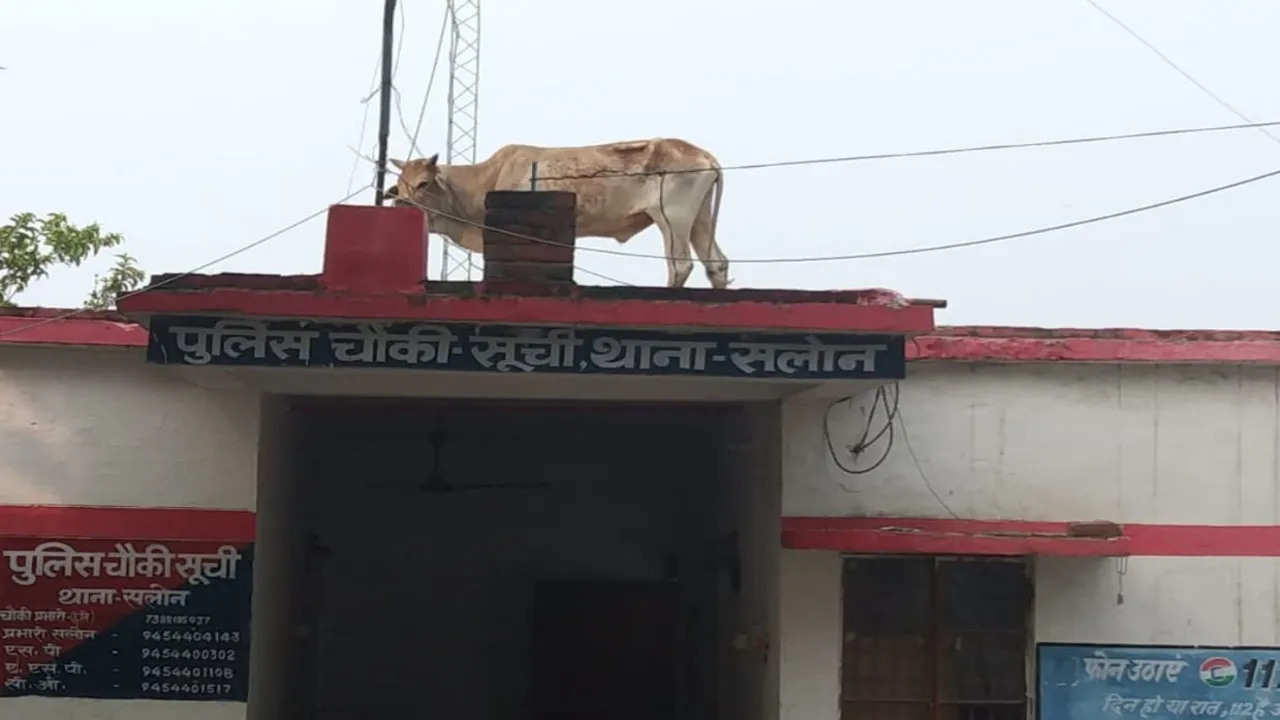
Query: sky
[{"x": 195, "y": 128}]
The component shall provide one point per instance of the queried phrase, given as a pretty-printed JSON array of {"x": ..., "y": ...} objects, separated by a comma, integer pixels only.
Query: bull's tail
[{"x": 718, "y": 187}]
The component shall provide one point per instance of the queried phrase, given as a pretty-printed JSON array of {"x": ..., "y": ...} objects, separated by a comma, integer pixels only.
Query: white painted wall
[
  {"x": 751, "y": 497},
  {"x": 1042, "y": 442},
  {"x": 1153, "y": 444},
  {"x": 1166, "y": 601},
  {"x": 812, "y": 623},
  {"x": 276, "y": 662},
  {"x": 1148, "y": 444},
  {"x": 99, "y": 427}
]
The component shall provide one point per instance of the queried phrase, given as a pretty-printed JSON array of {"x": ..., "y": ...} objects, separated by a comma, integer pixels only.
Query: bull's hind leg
[
  {"x": 675, "y": 216},
  {"x": 676, "y": 250},
  {"x": 708, "y": 250}
]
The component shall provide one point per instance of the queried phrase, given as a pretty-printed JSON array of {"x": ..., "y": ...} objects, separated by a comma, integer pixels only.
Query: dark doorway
[
  {"x": 605, "y": 648},
  {"x": 577, "y": 561}
]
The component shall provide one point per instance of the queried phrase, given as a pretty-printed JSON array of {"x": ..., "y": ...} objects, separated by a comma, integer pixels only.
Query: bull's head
[
  {"x": 420, "y": 185},
  {"x": 424, "y": 184}
]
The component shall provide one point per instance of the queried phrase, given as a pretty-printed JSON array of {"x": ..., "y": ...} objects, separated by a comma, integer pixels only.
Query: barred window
[{"x": 934, "y": 639}]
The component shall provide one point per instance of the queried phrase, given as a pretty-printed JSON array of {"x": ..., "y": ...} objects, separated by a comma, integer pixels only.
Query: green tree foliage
[{"x": 30, "y": 246}]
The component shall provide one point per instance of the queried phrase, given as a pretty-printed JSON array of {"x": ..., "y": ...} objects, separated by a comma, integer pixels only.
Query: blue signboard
[
  {"x": 125, "y": 620},
  {"x": 525, "y": 349},
  {"x": 1087, "y": 682}
]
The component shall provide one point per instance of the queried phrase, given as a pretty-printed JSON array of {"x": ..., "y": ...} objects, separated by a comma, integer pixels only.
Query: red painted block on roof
[{"x": 375, "y": 249}]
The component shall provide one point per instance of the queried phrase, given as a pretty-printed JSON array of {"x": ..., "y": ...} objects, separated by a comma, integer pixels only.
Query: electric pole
[{"x": 384, "y": 100}]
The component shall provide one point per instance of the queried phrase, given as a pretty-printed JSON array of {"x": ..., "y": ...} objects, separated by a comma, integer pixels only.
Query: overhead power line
[
  {"x": 364, "y": 125},
  {"x": 431, "y": 81},
  {"x": 227, "y": 256},
  {"x": 203, "y": 266},
  {"x": 373, "y": 92},
  {"x": 602, "y": 276},
  {"x": 890, "y": 253},
  {"x": 829, "y": 258},
  {"x": 1177, "y": 68},
  {"x": 921, "y": 153}
]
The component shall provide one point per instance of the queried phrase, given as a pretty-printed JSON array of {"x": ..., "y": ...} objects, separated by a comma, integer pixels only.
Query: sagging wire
[
  {"x": 884, "y": 253},
  {"x": 610, "y": 173},
  {"x": 880, "y": 398},
  {"x": 203, "y": 266}
]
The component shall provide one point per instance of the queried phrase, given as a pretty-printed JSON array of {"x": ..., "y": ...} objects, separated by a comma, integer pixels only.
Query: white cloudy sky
[{"x": 196, "y": 127}]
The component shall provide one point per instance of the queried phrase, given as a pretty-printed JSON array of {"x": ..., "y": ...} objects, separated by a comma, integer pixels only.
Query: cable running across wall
[
  {"x": 892, "y": 414},
  {"x": 880, "y": 397}
]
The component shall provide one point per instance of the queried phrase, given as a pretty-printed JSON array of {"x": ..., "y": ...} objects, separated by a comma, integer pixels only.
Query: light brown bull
[{"x": 623, "y": 188}]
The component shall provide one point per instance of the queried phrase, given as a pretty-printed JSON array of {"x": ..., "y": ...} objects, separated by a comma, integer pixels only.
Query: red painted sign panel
[{"x": 125, "y": 619}]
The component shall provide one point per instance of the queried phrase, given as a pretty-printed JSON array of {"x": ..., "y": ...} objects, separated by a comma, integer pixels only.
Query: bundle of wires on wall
[{"x": 870, "y": 434}]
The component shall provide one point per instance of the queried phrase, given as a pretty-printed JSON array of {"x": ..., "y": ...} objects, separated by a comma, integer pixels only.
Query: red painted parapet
[
  {"x": 375, "y": 268},
  {"x": 375, "y": 249}
]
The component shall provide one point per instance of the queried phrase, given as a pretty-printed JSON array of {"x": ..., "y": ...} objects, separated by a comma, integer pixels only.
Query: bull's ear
[
  {"x": 431, "y": 161},
  {"x": 393, "y": 191},
  {"x": 398, "y": 163}
]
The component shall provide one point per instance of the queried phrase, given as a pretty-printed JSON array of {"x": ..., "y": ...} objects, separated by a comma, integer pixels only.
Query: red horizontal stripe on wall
[
  {"x": 942, "y": 536},
  {"x": 110, "y": 523}
]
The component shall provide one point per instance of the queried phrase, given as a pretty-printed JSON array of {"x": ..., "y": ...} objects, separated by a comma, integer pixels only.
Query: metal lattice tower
[{"x": 460, "y": 147}]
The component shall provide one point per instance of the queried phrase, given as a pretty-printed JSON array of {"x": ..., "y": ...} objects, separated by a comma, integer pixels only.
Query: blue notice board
[{"x": 1084, "y": 682}]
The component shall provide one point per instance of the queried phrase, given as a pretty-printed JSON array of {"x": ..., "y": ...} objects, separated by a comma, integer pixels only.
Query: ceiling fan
[{"x": 436, "y": 483}]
